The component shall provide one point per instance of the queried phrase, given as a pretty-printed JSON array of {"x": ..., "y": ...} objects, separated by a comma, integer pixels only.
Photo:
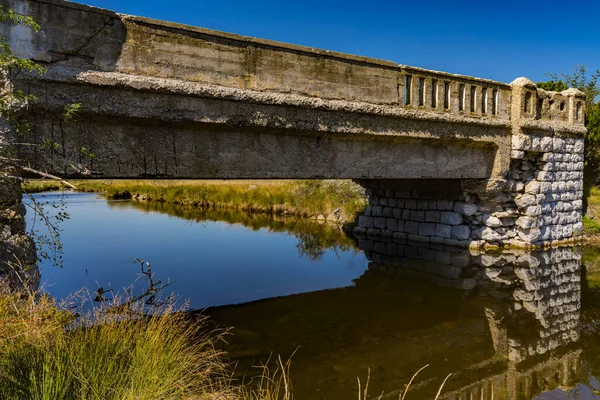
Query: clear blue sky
[{"x": 500, "y": 39}]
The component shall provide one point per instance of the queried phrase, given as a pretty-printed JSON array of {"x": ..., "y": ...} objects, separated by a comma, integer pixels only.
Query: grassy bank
[
  {"x": 339, "y": 200},
  {"x": 48, "y": 352},
  {"x": 591, "y": 221}
]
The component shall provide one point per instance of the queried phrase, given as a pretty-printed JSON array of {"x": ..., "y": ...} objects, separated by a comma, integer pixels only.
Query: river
[{"x": 505, "y": 326}]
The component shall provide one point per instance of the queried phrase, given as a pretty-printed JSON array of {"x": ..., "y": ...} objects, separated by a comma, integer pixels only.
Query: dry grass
[{"x": 304, "y": 198}]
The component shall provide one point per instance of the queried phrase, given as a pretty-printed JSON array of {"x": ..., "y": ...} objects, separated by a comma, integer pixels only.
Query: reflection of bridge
[
  {"x": 514, "y": 337},
  {"x": 168, "y": 100}
]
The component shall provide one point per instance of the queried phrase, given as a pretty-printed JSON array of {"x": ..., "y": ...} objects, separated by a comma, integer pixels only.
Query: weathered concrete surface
[
  {"x": 167, "y": 100},
  {"x": 271, "y": 109}
]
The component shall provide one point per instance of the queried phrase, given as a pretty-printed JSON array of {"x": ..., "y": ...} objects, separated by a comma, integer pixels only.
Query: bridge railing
[{"x": 441, "y": 92}]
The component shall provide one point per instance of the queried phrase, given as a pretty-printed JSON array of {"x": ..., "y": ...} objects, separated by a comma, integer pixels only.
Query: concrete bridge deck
[{"x": 167, "y": 100}]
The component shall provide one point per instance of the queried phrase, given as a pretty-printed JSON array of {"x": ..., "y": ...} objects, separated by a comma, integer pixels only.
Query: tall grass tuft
[
  {"x": 49, "y": 354},
  {"x": 273, "y": 383}
]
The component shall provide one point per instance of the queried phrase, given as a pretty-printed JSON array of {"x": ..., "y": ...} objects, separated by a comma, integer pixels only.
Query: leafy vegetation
[{"x": 588, "y": 83}]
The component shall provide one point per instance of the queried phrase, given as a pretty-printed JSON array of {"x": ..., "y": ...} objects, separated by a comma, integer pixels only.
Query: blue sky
[{"x": 499, "y": 40}]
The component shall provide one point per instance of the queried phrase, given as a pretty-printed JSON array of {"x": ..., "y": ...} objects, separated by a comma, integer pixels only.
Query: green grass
[
  {"x": 304, "y": 198},
  {"x": 591, "y": 226}
]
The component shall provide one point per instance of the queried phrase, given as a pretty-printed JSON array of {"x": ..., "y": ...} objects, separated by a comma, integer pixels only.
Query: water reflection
[
  {"x": 213, "y": 257},
  {"x": 506, "y": 326},
  {"x": 314, "y": 238}
]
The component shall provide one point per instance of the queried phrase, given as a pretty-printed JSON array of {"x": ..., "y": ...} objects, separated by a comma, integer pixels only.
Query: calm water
[
  {"x": 210, "y": 261},
  {"x": 527, "y": 327}
]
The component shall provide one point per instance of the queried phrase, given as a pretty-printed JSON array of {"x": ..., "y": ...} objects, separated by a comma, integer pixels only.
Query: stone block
[
  {"x": 521, "y": 142},
  {"x": 443, "y": 231},
  {"x": 422, "y": 205},
  {"x": 410, "y": 204},
  {"x": 517, "y": 154},
  {"x": 535, "y": 143},
  {"x": 529, "y": 234},
  {"x": 392, "y": 224},
  {"x": 377, "y": 211},
  {"x": 400, "y": 203},
  {"x": 578, "y": 147},
  {"x": 464, "y": 208},
  {"x": 460, "y": 232},
  {"x": 366, "y": 244},
  {"x": 451, "y": 218},
  {"x": 490, "y": 220},
  {"x": 365, "y": 221},
  {"x": 545, "y": 176},
  {"x": 433, "y": 216},
  {"x": 406, "y": 214},
  {"x": 418, "y": 216},
  {"x": 372, "y": 232},
  {"x": 399, "y": 237},
  {"x": 445, "y": 205},
  {"x": 488, "y": 234},
  {"x": 545, "y": 187},
  {"x": 525, "y": 200},
  {"x": 427, "y": 229},
  {"x": 548, "y": 157},
  {"x": 411, "y": 227},
  {"x": 380, "y": 222},
  {"x": 397, "y": 213},
  {"x": 532, "y": 187},
  {"x": 533, "y": 210},
  {"x": 546, "y": 144},
  {"x": 387, "y": 211},
  {"x": 559, "y": 145},
  {"x": 380, "y": 247},
  {"x": 432, "y": 205},
  {"x": 400, "y": 225}
]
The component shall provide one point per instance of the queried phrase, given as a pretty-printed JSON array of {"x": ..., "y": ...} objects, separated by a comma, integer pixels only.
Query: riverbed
[{"x": 505, "y": 326}]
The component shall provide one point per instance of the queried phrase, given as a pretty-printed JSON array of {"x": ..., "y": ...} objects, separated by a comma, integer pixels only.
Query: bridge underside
[{"x": 129, "y": 133}]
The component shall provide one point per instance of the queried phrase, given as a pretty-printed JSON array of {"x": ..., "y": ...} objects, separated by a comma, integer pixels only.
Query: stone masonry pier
[{"x": 444, "y": 157}]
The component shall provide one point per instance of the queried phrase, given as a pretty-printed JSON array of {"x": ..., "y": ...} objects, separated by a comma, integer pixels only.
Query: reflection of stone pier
[{"x": 531, "y": 301}]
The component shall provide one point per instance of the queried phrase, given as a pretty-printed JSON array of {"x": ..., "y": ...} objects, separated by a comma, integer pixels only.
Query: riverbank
[
  {"x": 591, "y": 221},
  {"x": 333, "y": 200}
]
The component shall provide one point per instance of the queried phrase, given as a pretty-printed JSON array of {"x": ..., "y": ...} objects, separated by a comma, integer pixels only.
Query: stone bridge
[{"x": 445, "y": 158}]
